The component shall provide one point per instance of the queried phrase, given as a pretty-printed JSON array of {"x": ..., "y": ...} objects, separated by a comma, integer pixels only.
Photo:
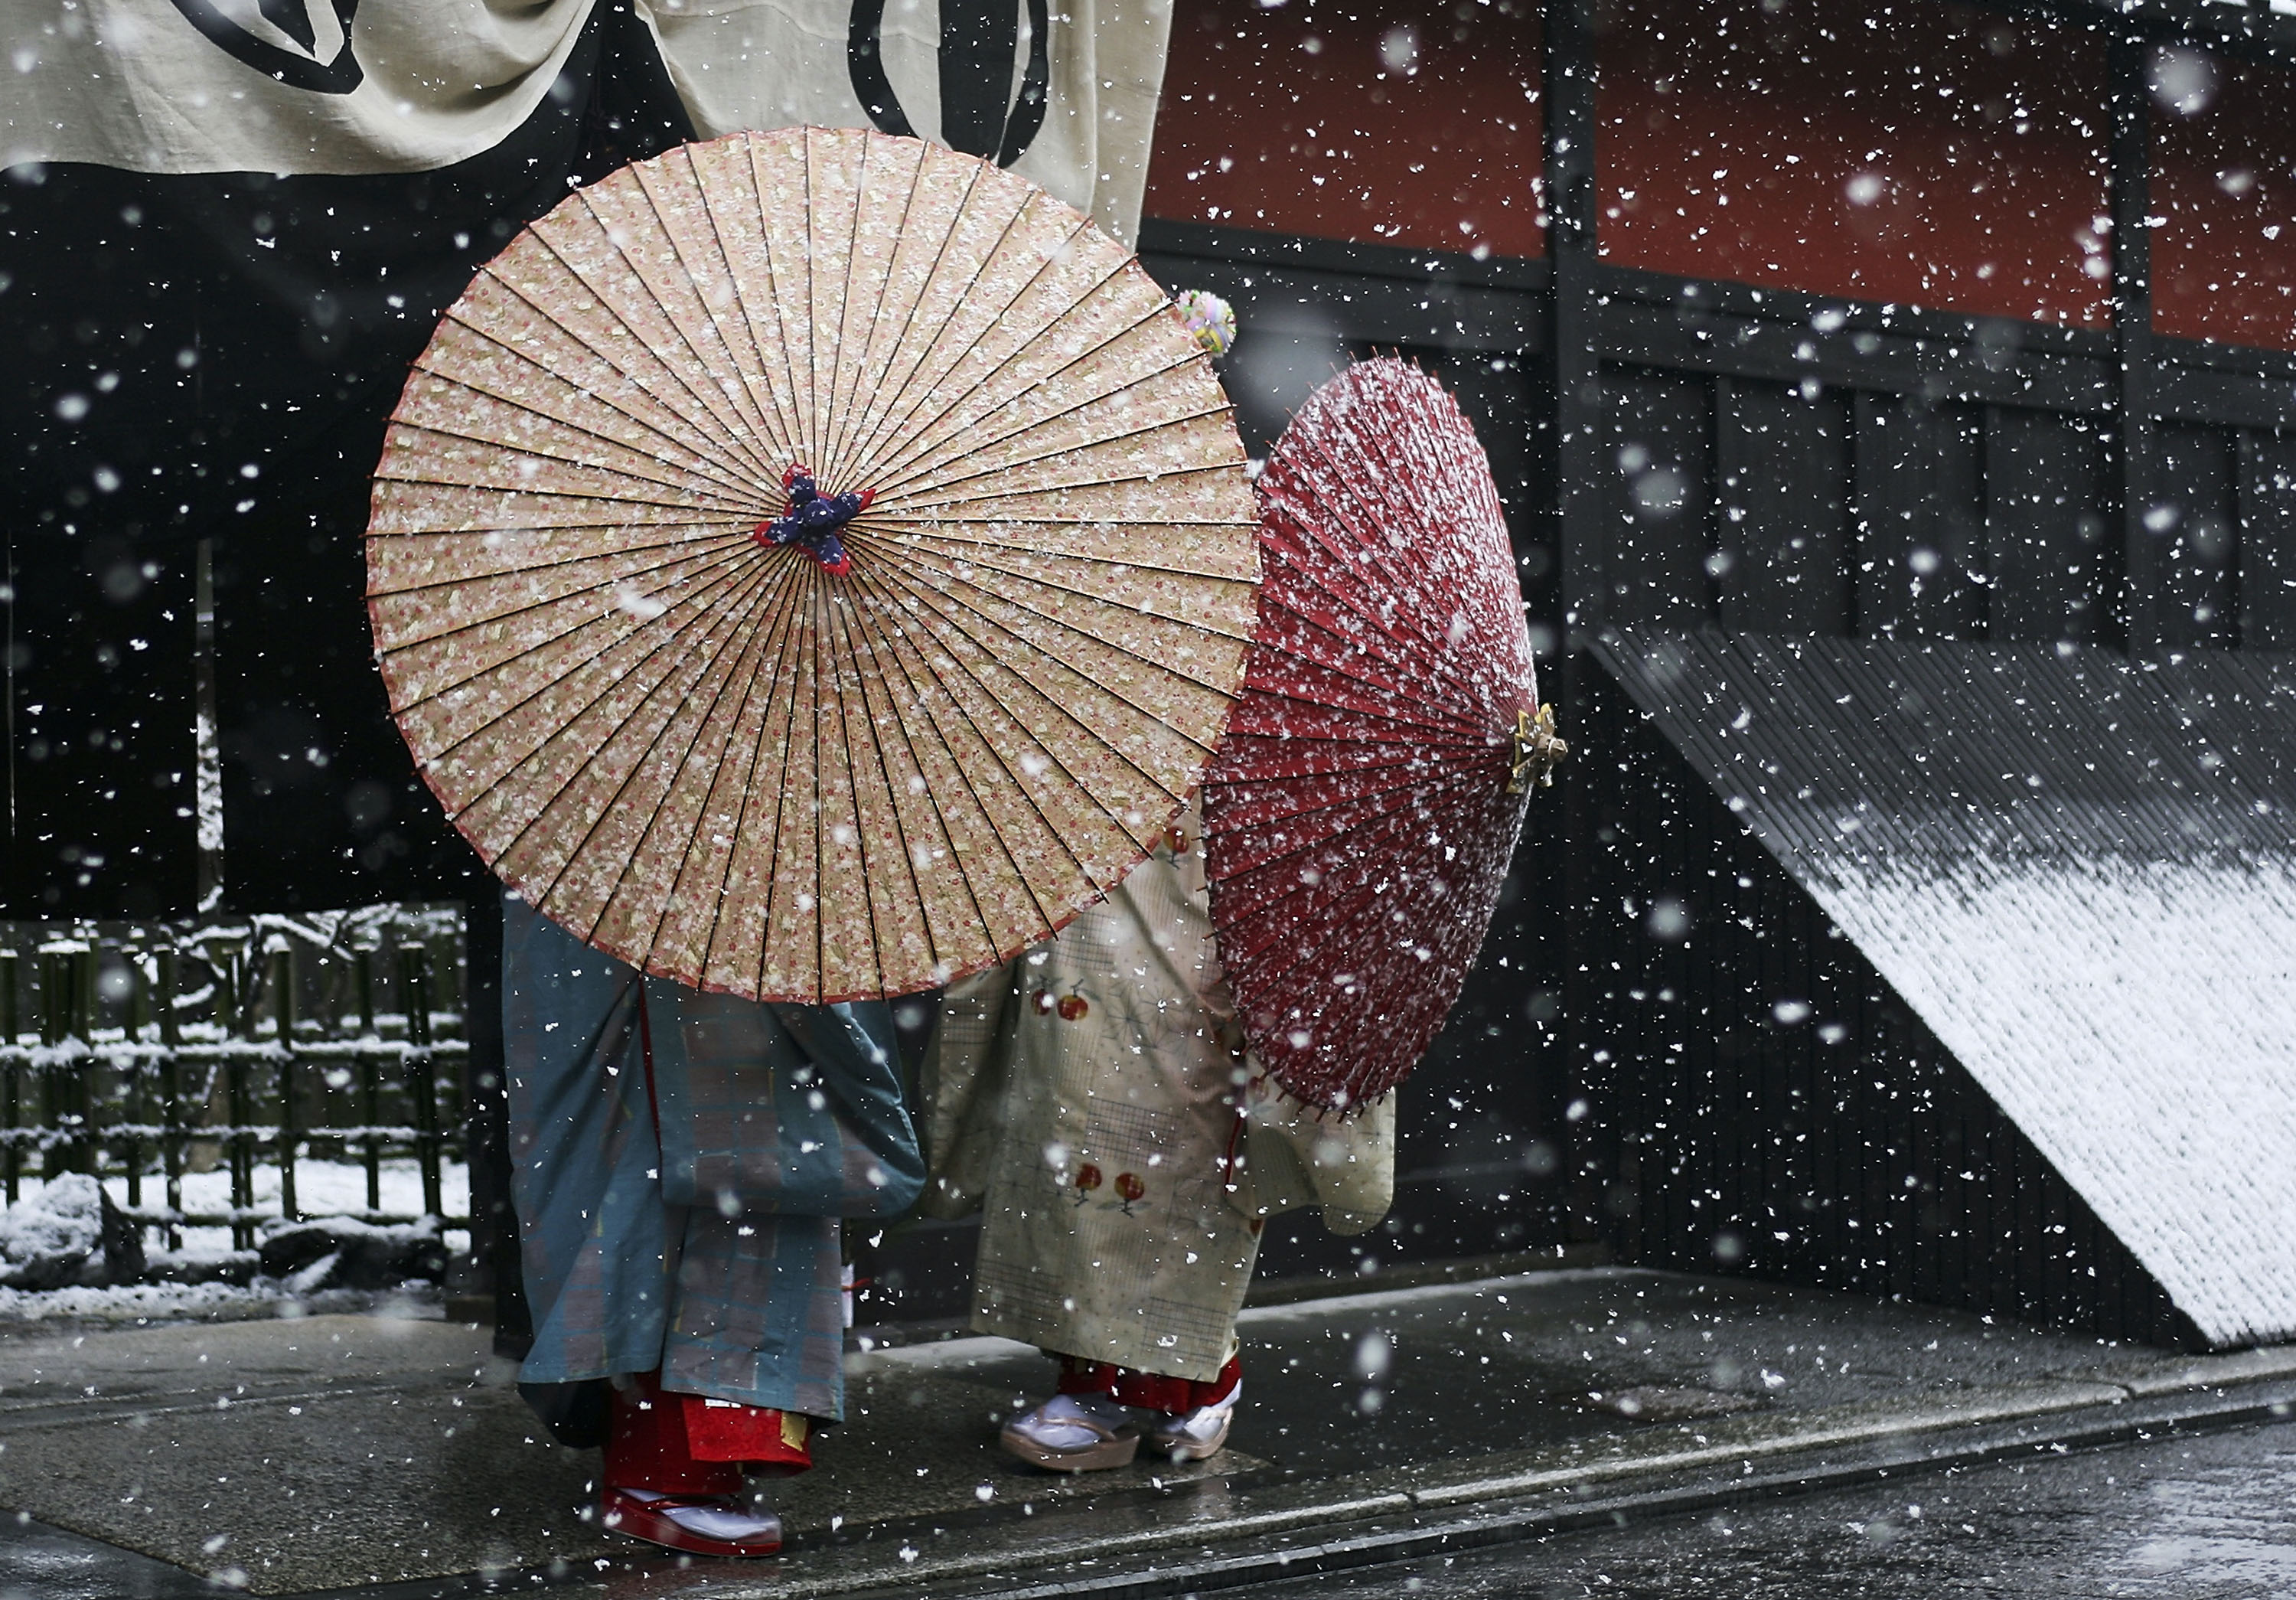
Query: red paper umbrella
[{"x": 1361, "y": 813}]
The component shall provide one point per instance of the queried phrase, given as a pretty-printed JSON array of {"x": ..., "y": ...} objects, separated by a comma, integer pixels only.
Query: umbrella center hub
[
  {"x": 813, "y": 521},
  {"x": 1537, "y": 752}
]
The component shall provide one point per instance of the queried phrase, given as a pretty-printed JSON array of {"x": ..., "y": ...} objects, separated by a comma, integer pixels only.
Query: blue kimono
[{"x": 681, "y": 1161}]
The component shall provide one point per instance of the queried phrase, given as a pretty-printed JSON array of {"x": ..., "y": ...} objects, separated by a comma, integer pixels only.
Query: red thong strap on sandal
[
  {"x": 685, "y": 1444},
  {"x": 770, "y": 1441},
  {"x": 1149, "y": 1391}
]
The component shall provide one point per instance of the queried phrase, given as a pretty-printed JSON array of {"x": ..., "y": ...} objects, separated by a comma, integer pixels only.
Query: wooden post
[
  {"x": 414, "y": 987},
  {"x": 90, "y": 1155},
  {"x": 240, "y": 1140},
  {"x": 494, "y": 1224},
  {"x": 2130, "y": 178},
  {"x": 1567, "y": 77},
  {"x": 370, "y": 1071},
  {"x": 172, "y": 1094},
  {"x": 283, "y": 1012},
  {"x": 134, "y": 1097},
  {"x": 11, "y": 1165}
]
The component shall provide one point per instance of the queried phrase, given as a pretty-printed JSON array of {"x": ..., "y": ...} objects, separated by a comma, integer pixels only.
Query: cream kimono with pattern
[{"x": 1090, "y": 1100}]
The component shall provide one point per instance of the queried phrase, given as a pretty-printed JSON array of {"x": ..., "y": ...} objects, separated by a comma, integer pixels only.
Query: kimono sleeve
[
  {"x": 794, "y": 1109},
  {"x": 1294, "y": 1158}
]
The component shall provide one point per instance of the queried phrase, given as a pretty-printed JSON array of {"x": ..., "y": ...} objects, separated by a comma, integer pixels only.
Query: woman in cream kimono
[{"x": 1094, "y": 1101}]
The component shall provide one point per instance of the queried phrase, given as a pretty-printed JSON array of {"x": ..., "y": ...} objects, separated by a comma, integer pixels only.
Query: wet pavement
[
  {"x": 340, "y": 1453},
  {"x": 2211, "y": 1517}
]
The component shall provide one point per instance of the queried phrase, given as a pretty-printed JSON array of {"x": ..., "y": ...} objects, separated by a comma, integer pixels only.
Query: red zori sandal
[
  {"x": 674, "y": 1464},
  {"x": 697, "y": 1524}
]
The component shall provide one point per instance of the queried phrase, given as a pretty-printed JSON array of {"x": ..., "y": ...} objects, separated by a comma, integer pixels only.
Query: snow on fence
[{"x": 144, "y": 1054}]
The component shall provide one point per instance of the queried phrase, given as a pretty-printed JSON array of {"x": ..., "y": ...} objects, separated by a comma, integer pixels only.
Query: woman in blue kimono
[{"x": 682, "y": 1161}]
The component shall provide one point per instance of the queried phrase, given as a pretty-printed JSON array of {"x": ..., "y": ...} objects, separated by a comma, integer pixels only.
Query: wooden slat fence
[{"x": 127, "y": 1056}]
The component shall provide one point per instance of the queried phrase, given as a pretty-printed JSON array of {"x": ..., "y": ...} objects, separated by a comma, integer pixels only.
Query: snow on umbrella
[
  {"x": 812, "y": 564},
  {"x": 1360, "y": 816}
]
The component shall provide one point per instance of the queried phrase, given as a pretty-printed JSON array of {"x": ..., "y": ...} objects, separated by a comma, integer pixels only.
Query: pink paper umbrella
[{"x": 813, "y": 565}]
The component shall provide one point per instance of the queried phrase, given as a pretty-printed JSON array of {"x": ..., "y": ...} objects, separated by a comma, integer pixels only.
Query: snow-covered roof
[{"x": 2080, "y": 872}]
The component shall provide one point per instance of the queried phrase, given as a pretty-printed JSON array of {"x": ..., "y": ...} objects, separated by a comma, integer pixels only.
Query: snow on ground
[
  {"x": 136, "y": 1304},
  {"x": 321, "y": 1189}
]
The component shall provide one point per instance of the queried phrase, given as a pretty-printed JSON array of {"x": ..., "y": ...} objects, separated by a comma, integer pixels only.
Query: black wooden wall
[{"x": 1957, "y": 482}]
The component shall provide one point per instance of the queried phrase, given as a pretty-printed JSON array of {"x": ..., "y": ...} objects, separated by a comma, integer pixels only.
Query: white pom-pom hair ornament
[{"x": 1210, "y": 320}]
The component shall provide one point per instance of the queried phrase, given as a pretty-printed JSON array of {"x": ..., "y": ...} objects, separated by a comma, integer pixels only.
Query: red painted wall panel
[
  {"x": 1380, "y": 121},
  {"x": 2223, "y": 178},
  {"x": 1926, "y": 154}
]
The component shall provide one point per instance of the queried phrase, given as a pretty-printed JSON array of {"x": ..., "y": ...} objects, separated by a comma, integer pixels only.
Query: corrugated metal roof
[
  {"x": 2081, "y": 872},
  {"x": 1885, "y": 748}
]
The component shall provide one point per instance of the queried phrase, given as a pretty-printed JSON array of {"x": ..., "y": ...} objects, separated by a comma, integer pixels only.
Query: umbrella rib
[
  {"x": 712, "y": 557},
  {"x": 816, "y": 581},
  {"x": 827, "y": 678},
  {"x": 1438, "y": 711},
  {"x": 736, "y": 428},
  {"x": 627, "y": 376},
  {"x": 753, "y": 637},
  {"x": 707, "y": 592},
  {"x": 1237, "y": 769},
  {"x": 828, "y": 463},
  {"x": 891, "y": 416},
  {"x": 530, "y": 453},
  {"x": 952, "y": 593},
  {"x": 703, "y": 660},
  {"x": 526, "y": 827},
  {"x": 781, "y": 315},
  {"x": 938, "y": 538},
  {"x": 1424, "y": 653},
  {"x": 386, "y": 476},
  {"x": 887, "y": 656},
  {"x": 533, "y": 566},
  {"x": 1116, "y": 646},
  {"x": 1375, "y": 669},
  {"x": 479, "y": 529},
  {"x": 782, "y": 638},
  {"x": 909, "y": 313},
  {"x": 846, "y": 632},
  {"x": 838, "y": 448},
  {"x": 1343, "y": 515},
  {"x": 726, "y": 435},
  {"x": 813, "y": 328},
  {"x": 1426, "y": 777},
  {"x": 1264, "y": 978},
  {"x": 915, "y": 541},
  {"x": 1464, "y": 733},
  {"x": 1316, "y": 929},
  {"x": 1048, "y": 261},
  {"x": 725, "y": 579},
  {"x": 909, "y": 428},
  {"x": 911, "y": 661},
  {"x": 784, "y": 417},
  {"x": 761, "y": 417},
  {"x": 926, "y": 592},
  {"x": 1051, "y": 489},
  {"x": 1065, "y": 312},
  {"x": 924, "y": 458},
  {"x": 1013, "y": 779},
  {"x": 707, "y": 469}
]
